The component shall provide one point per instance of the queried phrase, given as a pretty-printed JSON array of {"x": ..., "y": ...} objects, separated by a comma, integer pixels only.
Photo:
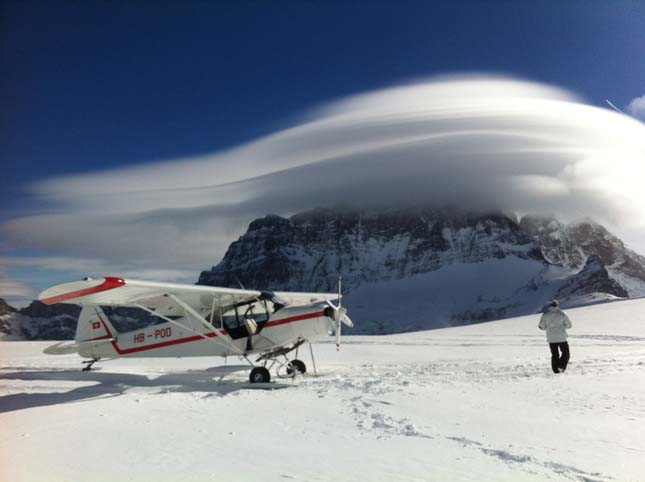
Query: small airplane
[{"x": 199, "y": 321}]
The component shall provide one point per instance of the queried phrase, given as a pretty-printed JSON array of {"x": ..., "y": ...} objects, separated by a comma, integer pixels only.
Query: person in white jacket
[{"x": 555, "y": 322}]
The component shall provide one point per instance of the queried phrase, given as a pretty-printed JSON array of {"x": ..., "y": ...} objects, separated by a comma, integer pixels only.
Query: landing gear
[
  {"x": 296, "y": 366},
  {"x": 285, "y": 368},
  {"x": 260, "y": 375},
  {"x": 89, "y": 364}
]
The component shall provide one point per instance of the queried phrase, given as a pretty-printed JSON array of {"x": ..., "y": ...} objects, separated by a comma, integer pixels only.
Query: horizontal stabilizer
[
  {"x": 95, "y": 342},
  {"x": 62, "y": 348},
  {"x": 66, "y": 348}
]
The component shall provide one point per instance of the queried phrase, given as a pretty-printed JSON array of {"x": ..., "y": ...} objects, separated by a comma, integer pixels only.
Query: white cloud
[
  {"x": 477, "y": 142},
  {"x": 14, "y": 289},
  {"x": 636, "y": 107},
  {"x": 80, "y": 267}
]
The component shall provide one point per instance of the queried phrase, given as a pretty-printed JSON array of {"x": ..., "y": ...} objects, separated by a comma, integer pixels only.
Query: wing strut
[
  {"x": 205, "y": 323},
  {"x": 220, "y": 340}
]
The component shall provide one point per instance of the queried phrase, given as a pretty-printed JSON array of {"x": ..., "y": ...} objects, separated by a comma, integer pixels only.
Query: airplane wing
[
  {"x": 296, "y": 298},
  {"x": 111, "y": 291}
]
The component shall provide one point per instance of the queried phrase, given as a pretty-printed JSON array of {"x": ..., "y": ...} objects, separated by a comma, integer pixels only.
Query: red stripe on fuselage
[
  {"x": 162, "y": 344},
  {"x": 126, "y": 351},
  {"x": 108, "y": 284},
  {"x": 294, "y": 318}
]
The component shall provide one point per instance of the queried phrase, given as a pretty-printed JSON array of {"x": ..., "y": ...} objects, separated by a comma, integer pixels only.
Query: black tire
[
  {"x": 260, "y": 375},
  {"x": 297, "y": 365}
]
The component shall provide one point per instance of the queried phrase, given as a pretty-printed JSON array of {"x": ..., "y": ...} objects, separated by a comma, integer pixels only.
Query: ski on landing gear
[{"x": 89, "y": 364}]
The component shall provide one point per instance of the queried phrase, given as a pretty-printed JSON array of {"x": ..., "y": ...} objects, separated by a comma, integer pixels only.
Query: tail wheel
[
  {"x": 260, "y": 375},
  {"x": 297, "y": 366}
]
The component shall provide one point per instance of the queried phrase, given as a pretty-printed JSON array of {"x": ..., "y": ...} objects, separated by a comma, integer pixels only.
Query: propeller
[{"x": 339, "y": 316}]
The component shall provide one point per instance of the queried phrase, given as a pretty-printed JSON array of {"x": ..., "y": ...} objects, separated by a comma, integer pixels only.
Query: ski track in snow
[
  {"x": 468, "y": 403},
  {"x": 368, "y": 412}
]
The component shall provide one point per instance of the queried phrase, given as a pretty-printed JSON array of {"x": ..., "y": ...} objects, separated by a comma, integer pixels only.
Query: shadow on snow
[{"x": 114, "y": 384}]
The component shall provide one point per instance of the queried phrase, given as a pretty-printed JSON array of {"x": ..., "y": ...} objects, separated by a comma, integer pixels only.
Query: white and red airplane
[{"x": 199, "y": 321}]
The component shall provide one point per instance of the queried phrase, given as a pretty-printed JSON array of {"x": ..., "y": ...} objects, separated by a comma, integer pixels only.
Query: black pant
[{"x": 559, "y": 362}]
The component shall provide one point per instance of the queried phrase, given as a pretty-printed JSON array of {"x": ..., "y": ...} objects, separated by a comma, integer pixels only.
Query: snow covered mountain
[
  {"x": 309, "y": 250},
  {"x": 38, "y": 321},
  {"x": 5, "y": 308},
  {"x": 406, "y": 270},
  {"x": 58, "y": 322},
  {"x": 569, "y": 245}
]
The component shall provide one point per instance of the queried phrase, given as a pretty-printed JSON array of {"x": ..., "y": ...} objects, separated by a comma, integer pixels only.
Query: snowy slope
[
  {"x": 454, "y": 294},
  {"x": 473, "y": 403}
]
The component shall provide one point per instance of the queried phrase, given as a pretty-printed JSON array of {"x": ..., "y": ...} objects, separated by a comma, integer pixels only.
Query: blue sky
[{"x": 92, "y": 86}]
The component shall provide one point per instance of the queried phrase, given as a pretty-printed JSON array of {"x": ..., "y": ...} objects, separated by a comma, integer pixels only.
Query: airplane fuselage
[{"x": 186, "y": 337}]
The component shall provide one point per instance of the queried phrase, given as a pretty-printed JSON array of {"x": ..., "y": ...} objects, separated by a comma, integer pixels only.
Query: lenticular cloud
[{"x": 472, "y": 142}]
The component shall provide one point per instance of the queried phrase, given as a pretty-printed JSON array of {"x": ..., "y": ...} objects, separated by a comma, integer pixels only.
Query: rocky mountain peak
[
  {"x": 594, "y": 237},
  {"x": 6, "y": 308},
  {"x": 37, "y": 309},
  {"x": 270, "y": 222},
  {"x": 41, "y": 322},
  {"x": 557, "y": 243},
  {"x": 309, "y": 250},
  {"x": 593, "y": 278},
  {"x": 569, "y": 245}
]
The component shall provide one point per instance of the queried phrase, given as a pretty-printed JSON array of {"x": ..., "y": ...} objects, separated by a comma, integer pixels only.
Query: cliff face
[
  {"x": 5, "y": 311},
  {"x": 40, "y": 322},
  {"x": 416, "y": 269},
  {"x": 310, "y": 250},
  {"x": 5, "y": 308},
  {"x": 593, "y": 278},
  {"x": 571, "y": 245}
]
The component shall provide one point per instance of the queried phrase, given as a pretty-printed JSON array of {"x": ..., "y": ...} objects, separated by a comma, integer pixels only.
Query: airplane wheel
[
  {"x": 298, "y": 365},
  {"x": 260, "y": 375}
]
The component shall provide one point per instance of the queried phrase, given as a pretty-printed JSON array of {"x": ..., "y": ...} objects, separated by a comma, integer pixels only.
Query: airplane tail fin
[
  {"x": 92, "y": 329},
  {"x": 93, "y": 325}
]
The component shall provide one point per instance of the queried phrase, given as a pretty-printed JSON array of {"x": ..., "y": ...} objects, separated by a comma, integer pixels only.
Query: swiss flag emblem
[{"x": 96, "y": 325}]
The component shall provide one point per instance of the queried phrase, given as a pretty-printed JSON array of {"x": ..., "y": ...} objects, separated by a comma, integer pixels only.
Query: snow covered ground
[{"x": 459, "y": 404}]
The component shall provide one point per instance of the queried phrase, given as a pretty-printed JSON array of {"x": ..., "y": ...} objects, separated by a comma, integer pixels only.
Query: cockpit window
[
  {"x": 230, "y": 318},
  {"x": 233, "y": 319}
]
